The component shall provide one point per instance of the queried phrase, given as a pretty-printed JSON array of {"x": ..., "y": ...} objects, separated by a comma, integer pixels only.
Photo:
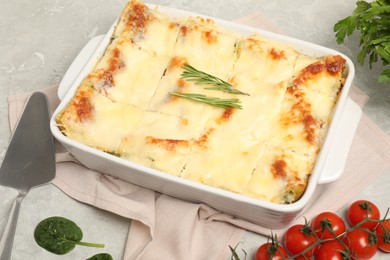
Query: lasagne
[{"x": 138, "y": 104}]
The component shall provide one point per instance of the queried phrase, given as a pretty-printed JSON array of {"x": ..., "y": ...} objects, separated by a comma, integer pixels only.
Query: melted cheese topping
[
  {"x": 96, "y": 121},
  {"x": 266, "y": 150},
  {"x": 160, "y": 141},
  {"x": 238, "y": 137},
  {"x": 198, "y": 38}
]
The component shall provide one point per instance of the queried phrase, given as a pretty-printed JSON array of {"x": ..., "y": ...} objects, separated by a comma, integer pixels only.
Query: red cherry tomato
[
  {"x": 361, "y": 209},
  {"x": 270, "y": 251},
  {"x": 383, "y": 233},
  {"x": 298, "y": 238},
  {"x": 362, "y": 245},
  {"x": 328, "y": 225},
  {"x": 332, "y": 250}
]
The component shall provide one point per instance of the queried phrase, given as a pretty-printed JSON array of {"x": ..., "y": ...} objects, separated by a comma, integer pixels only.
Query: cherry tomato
[
  {"x": 328, "y": 225},
  {"x": 270, "y": 251},
  {"x": 362, "y": 245},
  {"x": 332, "y": 250},
  {"x": 383, "y": 233},
  {"x": 361, "y": 209},
  {"x": 298, "y": 238}
]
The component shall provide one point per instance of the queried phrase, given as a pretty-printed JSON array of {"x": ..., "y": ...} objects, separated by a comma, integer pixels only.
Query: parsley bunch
[{"x": 373, "y": 22}]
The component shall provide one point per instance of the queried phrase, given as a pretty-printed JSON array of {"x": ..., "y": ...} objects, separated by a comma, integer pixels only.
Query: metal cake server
[{"x": 28, "y": 162}]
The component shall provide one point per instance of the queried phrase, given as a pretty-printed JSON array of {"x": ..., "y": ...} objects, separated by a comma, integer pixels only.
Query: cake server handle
[{"x": 9, "y": 232}]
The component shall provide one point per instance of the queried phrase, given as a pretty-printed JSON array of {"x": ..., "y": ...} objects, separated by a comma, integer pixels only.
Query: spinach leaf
[
  {"x": 59, "y": 235},
  {"x": 102, "y": 256}
]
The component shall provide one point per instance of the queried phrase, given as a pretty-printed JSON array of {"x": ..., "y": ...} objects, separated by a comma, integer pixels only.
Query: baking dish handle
[
  {"x": 78, "y": 64},
  {"x": 341, "y": 143}
]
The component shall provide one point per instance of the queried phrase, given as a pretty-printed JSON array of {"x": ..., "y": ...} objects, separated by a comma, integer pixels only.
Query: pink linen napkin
[{"x": 167, "y": 228}]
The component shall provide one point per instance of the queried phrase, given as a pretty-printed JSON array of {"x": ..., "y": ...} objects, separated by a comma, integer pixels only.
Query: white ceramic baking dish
[{"x": 329, "y": 166}]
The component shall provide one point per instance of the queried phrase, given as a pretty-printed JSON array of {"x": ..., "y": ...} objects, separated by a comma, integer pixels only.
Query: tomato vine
[{"x": 328, "y": 236}]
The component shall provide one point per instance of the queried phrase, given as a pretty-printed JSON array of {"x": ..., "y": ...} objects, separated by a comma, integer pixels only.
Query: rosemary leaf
[
  {"x": 200, "y": 77},
  {"x": 214, "y": 101}
]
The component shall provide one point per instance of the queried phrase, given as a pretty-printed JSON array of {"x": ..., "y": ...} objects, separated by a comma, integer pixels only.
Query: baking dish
[{"x": 329, "y": 165}]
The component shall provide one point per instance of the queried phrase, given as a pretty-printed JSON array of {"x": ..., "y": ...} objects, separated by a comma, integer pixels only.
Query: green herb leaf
[
  {"x": 372, "y": 20},
  {"x": 59, "y": 235},
  {"x": 384, "y": 77},
  {"x": 101, "y": 256},
  {"x": 203, "y": 78},
  {"x": 344, "y": 28},
  {"x": 214, "y": 101}
]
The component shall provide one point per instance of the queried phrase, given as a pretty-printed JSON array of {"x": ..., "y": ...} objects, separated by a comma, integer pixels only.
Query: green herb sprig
[
  {"x": 373, "y": 22},
  {"x": 200, "y": 77},
  {"x": 214, "y": 101},
  {"x": 203, "y": 78}
]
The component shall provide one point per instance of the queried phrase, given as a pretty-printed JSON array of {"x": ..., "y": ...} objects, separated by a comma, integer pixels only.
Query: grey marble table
[{"x": 39, "y": 40}]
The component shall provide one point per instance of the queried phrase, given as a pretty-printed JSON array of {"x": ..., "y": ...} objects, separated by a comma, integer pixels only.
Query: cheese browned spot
[
  {"x": 137, "y": 18},
  {"x": 79, "y": 110},
  {"x": 300, "y": 113},
  {"x": 277, "y": 54},
  {"x": 203, "y": 140},
  {"x": 83, "y": 106},
  {"x": 226, "y": 115},
  {"x": 253, "y": 42},
  {"x": 267, "y": 150},
  {"x": 177, "y": 63},
  {"x": 205, "y": 20},
  {"x": 103, "y": 75},
  {"x": 278, "y": 169},
  {"x": 333, "y": 65},
  {"x": 310, "y": 126},
  {"x": 184, "y": 30},
  {"x": 106, "y": 75},
  {"x": 115, "y": 62},
  {"x": 173, "y": 25},
  {"x": 310, "y": 72},
  {"x": 101, "y": 79},
  {"x": 181, "y": 84},
  {"x": 210, "y": 36},
  {"x": 168, "y": 144}
]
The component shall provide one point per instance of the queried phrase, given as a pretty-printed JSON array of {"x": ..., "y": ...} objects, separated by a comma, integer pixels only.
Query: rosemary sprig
[
  {"x": 214, "y": 101},
  {"x": 200, "y": 77}
]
